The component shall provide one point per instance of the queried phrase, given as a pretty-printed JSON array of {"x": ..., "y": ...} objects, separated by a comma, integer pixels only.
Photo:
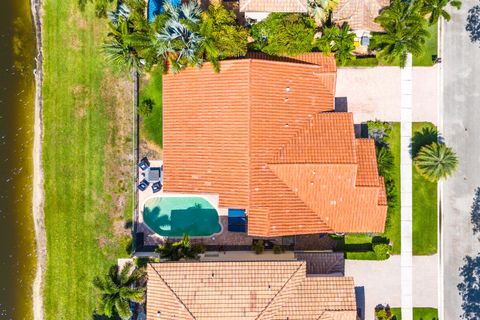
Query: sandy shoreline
[{"x": 38, "y": 192}]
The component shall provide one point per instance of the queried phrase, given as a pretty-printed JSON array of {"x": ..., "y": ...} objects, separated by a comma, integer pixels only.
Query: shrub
[
  {"x": 257, "y": 246},
  {"x": 146, "y": 107},
  {"x": 384, "y": 160},
  {"x": 198, "y": 248},
  {"x": 379, "y": 131},
  {"x": 228, "y": 37},
  {"x": 383, "y": 312},
  {"x": 278, "y": 249},
  {"x": 382, "y": 250},
  {"x": 141, "y": 262},
  {"x": 284, "y": 34}
]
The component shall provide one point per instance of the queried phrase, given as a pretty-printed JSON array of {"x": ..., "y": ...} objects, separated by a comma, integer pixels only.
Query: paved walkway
[
  {"x": 461, "y": 101},
  {"x": 406, "y": 190},
  {"x": 380, "y": 282},
  {"x": 374, "y": 93}
]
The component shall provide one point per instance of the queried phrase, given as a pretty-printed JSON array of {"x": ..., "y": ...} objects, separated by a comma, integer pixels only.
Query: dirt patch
[
  {"x": 117, "y": 97},
  {"x": 150, "y": 150}
]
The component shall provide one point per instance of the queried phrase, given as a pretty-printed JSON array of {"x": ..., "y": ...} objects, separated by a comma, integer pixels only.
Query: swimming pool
[
  {"x": 155, "y": 7},
  {"x": 175, "y": 216}
]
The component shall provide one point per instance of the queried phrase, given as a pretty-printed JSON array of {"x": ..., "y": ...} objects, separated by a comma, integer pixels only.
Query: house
[
  {"x": 360, "y": 16},
  {"x": 259, "y": 9},
  {"x": 246, "y": 290},
  {"x": 262, "y": 135}
]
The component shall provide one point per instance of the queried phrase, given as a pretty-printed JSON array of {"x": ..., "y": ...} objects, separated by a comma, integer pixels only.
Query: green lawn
[
  {"x": 424, "y": 209},
  {"x": 430, "y": 49},
  {"x": 87, "y": 138},
  {"x": 358, "y": 246},
  {"x": 152, "y": 124},
  {"x": 418, "y": 313}
]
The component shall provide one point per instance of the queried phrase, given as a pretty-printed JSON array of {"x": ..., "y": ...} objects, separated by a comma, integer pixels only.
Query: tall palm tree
[
  {"x": 117, "y": 289},
  {"x": 436, "y": 9},
  {"x": 436, "y": 161},
  {"x": 404, "y": 31}
]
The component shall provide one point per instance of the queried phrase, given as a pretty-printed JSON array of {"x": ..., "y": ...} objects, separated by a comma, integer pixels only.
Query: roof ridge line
[
  {"x": 247, "y": 2},
  {"x": 302, "y": 263},
  {"x": 173, "y": 292}
]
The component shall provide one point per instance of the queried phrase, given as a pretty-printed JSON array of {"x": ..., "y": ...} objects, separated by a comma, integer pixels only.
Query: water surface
[{"x": 17, "y": 239}]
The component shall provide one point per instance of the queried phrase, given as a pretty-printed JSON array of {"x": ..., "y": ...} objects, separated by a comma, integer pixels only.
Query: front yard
[
  {"x": 359, "y": 246},
  {"x": 424, "y": 208},
  {"x": 418, "y": 313}
]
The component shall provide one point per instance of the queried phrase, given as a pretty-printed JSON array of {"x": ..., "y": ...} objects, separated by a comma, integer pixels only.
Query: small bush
[
  {"x": 141, "y": 262},
  {"x": 383, "y": 312},
  {"x": 146, "y": 107},
  {"x": 379, "y": 131},
  {"x": 198, "y": 248},
  {"x": 382, "y": 250},
  {"x": 258, "y": 247},
  {"x": 278, "y": 249}
]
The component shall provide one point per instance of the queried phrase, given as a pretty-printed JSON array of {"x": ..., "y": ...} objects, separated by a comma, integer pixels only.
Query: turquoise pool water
[{"x": 176, "y": 216}]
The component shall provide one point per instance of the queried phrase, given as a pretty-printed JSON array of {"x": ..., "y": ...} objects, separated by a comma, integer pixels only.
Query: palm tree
[
  {"x": 405, "y": 31},
  {"x": 436, "y": 161},
  {"x": 117, "y": 289},
  {"x": 175, "y": 251},
  {"x": 344, "y": 45},
  {"x": 338, "y": 40},
  {"x": 436, "y": 9}
]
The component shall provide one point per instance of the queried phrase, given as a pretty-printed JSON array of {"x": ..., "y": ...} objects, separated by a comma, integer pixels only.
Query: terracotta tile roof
[
  {"x": 260, "y": 135},
  {"x": 273, "y": 5},
  {"x": 359, "y": 14},
  {"x": 246, "y": 290}
]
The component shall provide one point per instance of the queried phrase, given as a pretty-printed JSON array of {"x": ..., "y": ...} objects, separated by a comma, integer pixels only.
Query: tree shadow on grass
[
  {"x": 473, "y": 23},
  {"x": 424, "y": 137},
  {"x": 469, "y": 288}
]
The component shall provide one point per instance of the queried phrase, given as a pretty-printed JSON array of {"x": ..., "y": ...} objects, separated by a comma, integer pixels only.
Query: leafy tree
[
  {"x": 117, "y": 289},
  {"x": 174, "y": 251},
  {"x": 436, "y": 9},
  {"x": 436, "y": 161},
  {"x": 219, "y": 24},
  {"x": 405, "y": 31},
  {"x": 284, "y": 34}
]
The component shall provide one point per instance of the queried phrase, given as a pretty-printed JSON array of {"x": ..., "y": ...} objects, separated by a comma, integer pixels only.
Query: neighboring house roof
[
  {"x": 323, "y": 263},
  {"x": 359, "y": 14},
  {"x": 273, "y": 5},
  {"x": 246, "y": 290},
  {"x": 261, "y": 134}
]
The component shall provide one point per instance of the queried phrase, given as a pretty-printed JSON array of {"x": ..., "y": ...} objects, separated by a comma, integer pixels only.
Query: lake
[{"x": 17, "y": 238}]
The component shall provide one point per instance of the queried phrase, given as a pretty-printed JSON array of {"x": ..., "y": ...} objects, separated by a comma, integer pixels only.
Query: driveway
[
  {"x": 380, "y": 282},
  {"x": 461, "y": 114},
  {"x": 374, "y": 93}
]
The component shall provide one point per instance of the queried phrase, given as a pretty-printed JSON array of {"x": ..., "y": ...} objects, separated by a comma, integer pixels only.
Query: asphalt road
[{"x": 461, "y": 128}]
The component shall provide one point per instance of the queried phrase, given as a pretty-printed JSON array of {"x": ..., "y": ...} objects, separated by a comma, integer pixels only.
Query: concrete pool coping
[{"x": 180, "y": 195}]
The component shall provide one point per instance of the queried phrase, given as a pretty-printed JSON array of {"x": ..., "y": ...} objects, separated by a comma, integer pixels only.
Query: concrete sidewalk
[
  {"x": 374, "y": 93},
  {"x": 381, "y": 282}
]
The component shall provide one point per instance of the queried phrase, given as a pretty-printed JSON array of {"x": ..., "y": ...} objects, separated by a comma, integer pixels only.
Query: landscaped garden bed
[{"x": 418, "y": 313}]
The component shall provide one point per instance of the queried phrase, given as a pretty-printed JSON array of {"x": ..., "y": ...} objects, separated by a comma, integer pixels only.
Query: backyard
[{"x": 87, "y": 136}]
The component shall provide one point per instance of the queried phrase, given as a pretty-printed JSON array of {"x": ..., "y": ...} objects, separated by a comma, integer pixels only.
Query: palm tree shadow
[
  {"x": 473, "y": 23},
  {"x": 424, "y": 137}
]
